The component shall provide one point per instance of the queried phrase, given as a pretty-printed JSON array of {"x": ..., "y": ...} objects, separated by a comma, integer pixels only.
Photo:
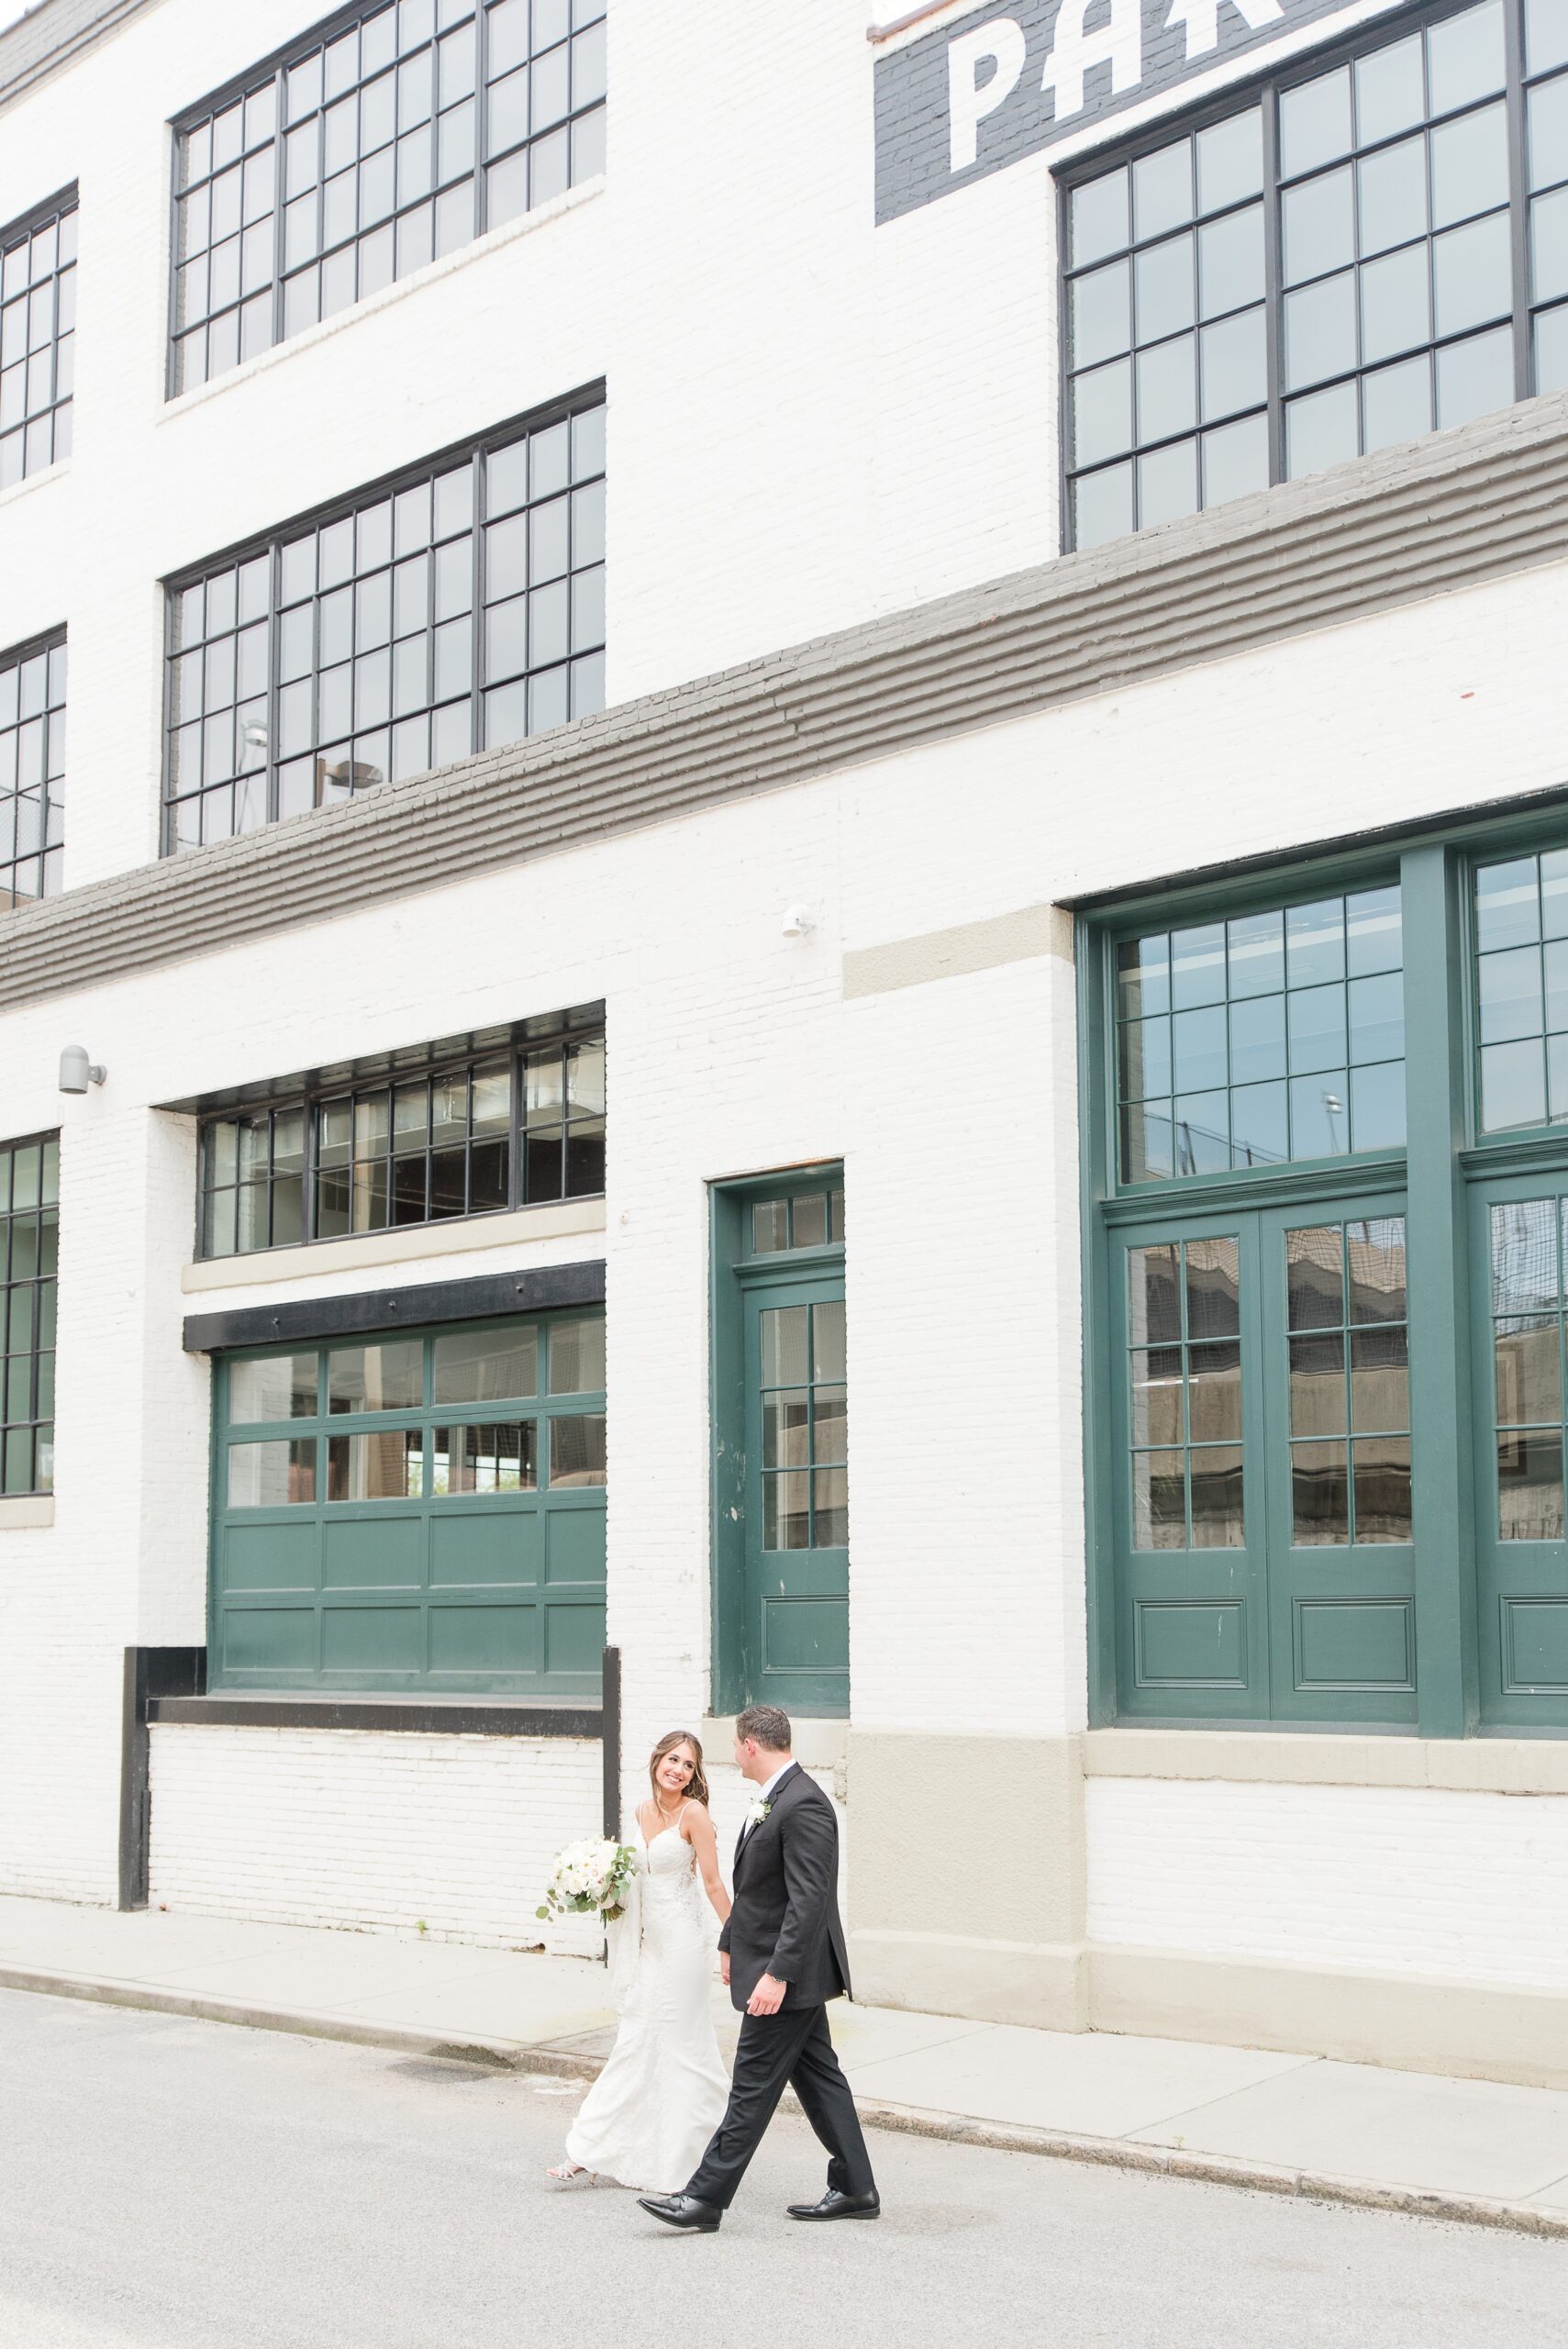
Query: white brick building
[{"x": 1150, "y": 935}]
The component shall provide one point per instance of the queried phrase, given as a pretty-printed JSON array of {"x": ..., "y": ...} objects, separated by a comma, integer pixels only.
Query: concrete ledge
[
  {"x": 1512, "y": 1765},
  {"x": 1041, "y": 1984},
  {"x": 1405, "y": 2023},
  {"x": 561, "y": 1220},
  {"x": 24, "y": 1510}
]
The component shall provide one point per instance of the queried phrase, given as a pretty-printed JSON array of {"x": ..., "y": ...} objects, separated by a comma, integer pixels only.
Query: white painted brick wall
[
  {"x": 1394, "y": 1879},
  {"x": 377, "y": 1832}
]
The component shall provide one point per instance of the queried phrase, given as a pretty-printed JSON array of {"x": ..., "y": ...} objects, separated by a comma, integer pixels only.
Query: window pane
[
  {"x": 1319, "y": 1494},
  {"x": 387, "y": 1376},
  {"x": 277, "y": 1386},
  {"x": 1529, "y": 1375},
  {"x": 484, "y": 1366},
  {"x": 484, "y": 1458},
  {"x": 577, "y": 1357},
  {"x": 576, "y": 1452},
  {"x": 383, "y": 1464},
  {"x": 1216, "y": 1498},
  {"x": 271, "y": 1476},
  {"x": 1159, "y": 1501},
  {"x": 1530, "y": 1484}
]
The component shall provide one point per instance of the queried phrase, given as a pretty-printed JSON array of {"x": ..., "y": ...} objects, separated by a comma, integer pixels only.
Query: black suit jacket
[{"x": 786, "y": 1917}]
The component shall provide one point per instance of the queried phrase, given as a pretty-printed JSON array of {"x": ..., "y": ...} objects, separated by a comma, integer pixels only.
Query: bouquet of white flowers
[{"x": 590, "y": 1879}]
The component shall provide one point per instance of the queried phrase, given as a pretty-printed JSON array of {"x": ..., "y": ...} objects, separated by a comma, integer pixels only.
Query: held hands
[
  {"x": 767, "y": 1997},
  {"x": 724, "y": 1967}
]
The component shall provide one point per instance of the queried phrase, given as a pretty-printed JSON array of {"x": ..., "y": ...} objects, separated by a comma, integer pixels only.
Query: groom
[{"x": 782, "y": 1953}]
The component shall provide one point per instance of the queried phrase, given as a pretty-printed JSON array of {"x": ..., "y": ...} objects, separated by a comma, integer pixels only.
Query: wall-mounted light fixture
[
  {"x": 77, "y": 1072},
  {"x": 798, "y": 920}
]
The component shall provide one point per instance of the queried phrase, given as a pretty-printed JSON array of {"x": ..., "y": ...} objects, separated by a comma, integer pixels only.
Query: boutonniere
[{"x": 758, "y": 1812}]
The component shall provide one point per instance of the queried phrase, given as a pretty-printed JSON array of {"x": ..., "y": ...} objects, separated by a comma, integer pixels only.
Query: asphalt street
[{"x": 172, "y": 2185}]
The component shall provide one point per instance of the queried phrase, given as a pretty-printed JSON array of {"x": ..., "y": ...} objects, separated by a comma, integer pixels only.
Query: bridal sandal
[{"x": 568, "y": 2173}]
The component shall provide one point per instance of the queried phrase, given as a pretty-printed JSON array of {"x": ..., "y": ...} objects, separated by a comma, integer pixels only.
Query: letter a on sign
[
  {"x": 1118, "y": 41},
  {"x": 1201, "y": 18},
  {"x": 970, "y": 100}
]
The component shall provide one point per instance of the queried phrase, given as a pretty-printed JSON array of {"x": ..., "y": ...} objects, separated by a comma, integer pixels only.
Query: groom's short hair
[{"x": 765, "y": 1725}]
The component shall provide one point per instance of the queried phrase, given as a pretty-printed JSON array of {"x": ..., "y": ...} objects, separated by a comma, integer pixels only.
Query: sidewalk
[{"x": 1294, "y": 2125}]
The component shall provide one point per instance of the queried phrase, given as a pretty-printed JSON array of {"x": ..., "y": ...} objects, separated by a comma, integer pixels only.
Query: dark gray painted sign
[{"x": 1004, "y": 81}]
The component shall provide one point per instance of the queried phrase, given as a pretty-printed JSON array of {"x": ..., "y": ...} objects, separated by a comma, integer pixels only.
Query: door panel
[
  {"x": 1265, "y": 1569},
  {"x": 1521, "y": 1393},
  {"x": 796, "y": 1565}
]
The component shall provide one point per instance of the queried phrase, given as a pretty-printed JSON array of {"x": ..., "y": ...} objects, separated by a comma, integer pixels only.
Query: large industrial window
[
  {"x": 1328, "y": 1384},
  {"x": 1363, "y": 252},
  {"x": 515, "y": 1119},
  {"x": 456, "y": 608},
  {"x": 379, "y": 142},
  {"x": 30, "y": 1238},
  {"x": 38, "y": 338},
  {"x": 32, "y": 770}
]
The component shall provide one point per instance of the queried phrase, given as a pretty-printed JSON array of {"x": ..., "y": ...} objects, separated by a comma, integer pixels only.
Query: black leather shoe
[
  {"x": 835, "y": 2205},
  {"x": 684, "y": 2210}
]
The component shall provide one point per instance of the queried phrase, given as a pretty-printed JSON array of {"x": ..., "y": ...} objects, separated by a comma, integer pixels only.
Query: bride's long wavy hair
[{"x": 696, "y": 1790}]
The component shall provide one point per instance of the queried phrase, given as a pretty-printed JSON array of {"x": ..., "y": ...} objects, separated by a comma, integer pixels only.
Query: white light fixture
[
  {"x": 798, "y": 921},
  {"x": 77, "y": 1072}
]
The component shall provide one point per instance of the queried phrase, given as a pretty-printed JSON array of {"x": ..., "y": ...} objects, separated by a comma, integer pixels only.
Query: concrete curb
[{"x": 564, "y": 2063}]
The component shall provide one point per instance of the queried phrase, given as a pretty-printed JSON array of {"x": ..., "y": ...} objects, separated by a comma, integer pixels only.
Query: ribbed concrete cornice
[{"x": 1423, "y": 520}]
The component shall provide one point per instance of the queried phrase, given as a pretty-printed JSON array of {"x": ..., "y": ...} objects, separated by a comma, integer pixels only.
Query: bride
[{"x": 648, "y": 2116}]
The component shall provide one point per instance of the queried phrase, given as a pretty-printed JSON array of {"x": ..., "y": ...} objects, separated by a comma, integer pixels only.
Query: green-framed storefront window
[
  {"x": 1326, "y": 1373},
  {"x": 418, "y": 1511},
  {"x": 781, "y": 1490},
  {"x": 29, "y": 1249}
]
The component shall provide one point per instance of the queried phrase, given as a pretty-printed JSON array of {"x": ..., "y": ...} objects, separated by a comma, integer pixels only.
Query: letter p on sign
[{"x": 970, "y": 100}]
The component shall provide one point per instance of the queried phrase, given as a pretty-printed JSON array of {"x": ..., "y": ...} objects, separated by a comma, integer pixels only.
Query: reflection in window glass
[
  {"x": 1184, "y": 1374},
  {"x": 38, "y": 340},
  {"x": 361, "y": 158},
  {"x": 32, "y": 769},
  {"x": 416, "y": 1148},
  {"x": 381, "y": 1466},
  {"x": 484, "y": 1460},
  {"x": 29, "y": 1251},
  {"x": 577, "y": 1357},
  {"x": 273, "y": 1386},
  {"x": 385, "y": 1377},
  {"x": 271, "y": 1476},
  {"x": 804, "y": 1415},
  {"x": 485, "y": 1365},
  {"x": 1521, "y": 982},
  {"x": 1350, "y": 1383},
  {"x": 577, "y": 1450},
  {"x": 461, "y": 611},
  {"x": 1394, "y": 313},
  {"x": 1275, "y": 1035},
  {"x": 1529, "y": 1384},
  {"x": 812, "y": 1219}
]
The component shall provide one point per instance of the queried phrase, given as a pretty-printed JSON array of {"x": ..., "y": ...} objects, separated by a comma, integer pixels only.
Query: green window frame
[
  {"x": 419, "y": 1510},
  {"x": 1347, "y": 1506},
  {"x": 782, "y": 1494},
  {"x": 29, "y": 1254}
]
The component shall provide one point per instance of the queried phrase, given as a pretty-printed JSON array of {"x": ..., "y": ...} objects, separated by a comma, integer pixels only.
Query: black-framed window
[
  {"x": 515, "y": 1123},
  {"x": 381, "y": 141},
  {"x": 29, "y": 1247},
  {"x": 1364, "y": 250},
  {"x": 38, "y": 338},
  {"x": 32, "y": 770},
  {"x": 458, "y": 606}
]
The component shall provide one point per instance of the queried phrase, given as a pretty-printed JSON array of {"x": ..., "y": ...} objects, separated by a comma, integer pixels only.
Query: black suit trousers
[{"x": 792, "y": 2048}]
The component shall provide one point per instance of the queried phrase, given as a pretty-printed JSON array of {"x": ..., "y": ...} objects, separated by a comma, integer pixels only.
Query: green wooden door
[
  {"x": 1265, "y": 1570},
  {"x": 1519, "y": 1390},
  {"x": 796, "y": 1559},
  {"x": 422, "y": 1511}
]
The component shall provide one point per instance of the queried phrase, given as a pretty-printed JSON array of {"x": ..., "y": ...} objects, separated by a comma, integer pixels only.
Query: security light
[{"x": 77, "y": 1072}]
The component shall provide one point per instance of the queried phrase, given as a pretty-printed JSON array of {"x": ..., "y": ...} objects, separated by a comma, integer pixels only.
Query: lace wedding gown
[{"x": 648, "y": 2116}]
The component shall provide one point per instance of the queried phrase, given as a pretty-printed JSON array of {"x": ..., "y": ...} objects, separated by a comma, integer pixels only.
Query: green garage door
[{"x": 423, "y": 1511}]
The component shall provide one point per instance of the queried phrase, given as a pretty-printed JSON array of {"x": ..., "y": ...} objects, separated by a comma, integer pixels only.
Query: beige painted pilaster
[{"x": 966, "y": 1876}]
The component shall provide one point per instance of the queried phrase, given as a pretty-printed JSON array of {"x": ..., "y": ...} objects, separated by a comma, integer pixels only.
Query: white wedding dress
[{"x": 647, "y": 2119}]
